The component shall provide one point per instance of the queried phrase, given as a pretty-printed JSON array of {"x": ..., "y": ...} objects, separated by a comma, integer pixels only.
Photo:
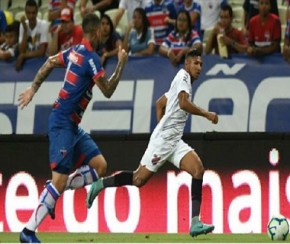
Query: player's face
[{"x": 193, "y": 66}]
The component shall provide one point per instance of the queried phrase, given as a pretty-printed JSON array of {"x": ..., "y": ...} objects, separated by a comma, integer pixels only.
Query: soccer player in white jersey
[{"x": 166, "y": 145}]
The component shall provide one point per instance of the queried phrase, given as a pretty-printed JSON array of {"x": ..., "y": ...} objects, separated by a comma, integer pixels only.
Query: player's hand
[
  {"x": 122, "y": 55},
  {"x": 25, "y": 97},
  {"x": 213, "y": 117}
]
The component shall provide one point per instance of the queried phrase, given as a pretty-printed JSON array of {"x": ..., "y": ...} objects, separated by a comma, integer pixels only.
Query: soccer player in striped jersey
[
  {"x": 69, "y": 145},
  {"x": 166, "y": 145}
]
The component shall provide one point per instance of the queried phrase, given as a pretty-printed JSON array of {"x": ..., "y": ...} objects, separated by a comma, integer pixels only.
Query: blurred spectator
[
  {"x": 8, "y": 49},
  {"x": 210, "y": 11},
  {"x": 33, "y": 35},
  {"x": 174, "y": 6},
  {"x": 54, "y": 10},
  {"x": 194, "y": 10},
  {"x": 100, "y": 5},
  {"x": 264, "y": 31},
  {"x": 67, "y": 33},
  {"x": 6, "y": 18},
  {"x": 181, "y": 40},
  {"x": 161, "y": 19},
  {"x": 139, "y": 39},
  {"x": 286, "y": 46},
  {"x": 231, "y": 37},
  {"x": 129, "y": 6},
  {"x": 251, "y": 9},
  {"x": 110, "y": 40}
]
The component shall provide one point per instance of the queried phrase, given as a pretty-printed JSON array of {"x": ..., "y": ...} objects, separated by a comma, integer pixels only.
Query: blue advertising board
[{"x": 248, "y": 94}]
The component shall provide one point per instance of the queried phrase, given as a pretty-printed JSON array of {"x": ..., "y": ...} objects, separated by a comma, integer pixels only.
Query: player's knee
[
  {"x": 102, "y": 169},
  {"x": 138, "y": 181},
  {"x": 197, "y": 171}
]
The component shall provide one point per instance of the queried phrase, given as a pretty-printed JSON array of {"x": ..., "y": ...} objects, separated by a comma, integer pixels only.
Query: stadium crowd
[{"x": 146, "y": 27}]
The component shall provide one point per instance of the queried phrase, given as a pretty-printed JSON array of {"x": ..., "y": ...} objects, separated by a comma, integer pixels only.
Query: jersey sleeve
[{"x": 184, "y": 83}]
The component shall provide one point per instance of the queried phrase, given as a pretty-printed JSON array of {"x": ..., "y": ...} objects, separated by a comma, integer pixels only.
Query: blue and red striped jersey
[{"x": 82, "y": 67}]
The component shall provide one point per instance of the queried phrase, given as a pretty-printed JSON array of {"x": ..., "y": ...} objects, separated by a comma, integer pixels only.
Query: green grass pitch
[{"x": 139, "y": 238}]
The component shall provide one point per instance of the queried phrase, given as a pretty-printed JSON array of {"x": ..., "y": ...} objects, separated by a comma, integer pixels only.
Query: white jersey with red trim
[{"x": 172, "y": 124}]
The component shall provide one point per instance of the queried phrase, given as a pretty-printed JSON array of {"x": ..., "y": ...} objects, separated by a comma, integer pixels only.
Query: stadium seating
[{"x": 238, "y": 13}]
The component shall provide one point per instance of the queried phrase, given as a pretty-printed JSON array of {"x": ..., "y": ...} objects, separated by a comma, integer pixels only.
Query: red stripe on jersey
[
  {"x": 52, "y": 165},
  {"x": 84, "y": 103},
  {"x": 60, "y": 56},
  {"x": 76, "y": 58},
  {"x": 99, "y": 74},
  {"x": 157, "y": 20},
  {"x": 75, "y": 118},
  {"x": 55, "y": 105},
  {"x": 71, "y": 78},
  {"x": 63, "y": 94}
]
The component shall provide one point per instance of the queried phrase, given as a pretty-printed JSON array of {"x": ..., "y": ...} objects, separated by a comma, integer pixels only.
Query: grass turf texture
[{"x": 135, "y": 238}]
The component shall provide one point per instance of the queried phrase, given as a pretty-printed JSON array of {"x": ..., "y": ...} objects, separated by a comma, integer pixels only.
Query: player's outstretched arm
[
  {"x": 191, "y": 108},
  {"x": 26, "y": 96},
  {"x": 108, "y": 86}
]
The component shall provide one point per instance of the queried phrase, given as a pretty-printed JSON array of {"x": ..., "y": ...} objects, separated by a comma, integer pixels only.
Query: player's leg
[
  {"x": 90, "y": 163},
  {"x": 46, "y": 205},
  {"x": 193, "y": 165},
  {"x": 139, "y": 177},
  {"x": 61, "y": 155},
  {"x": 187, "y": 159}
]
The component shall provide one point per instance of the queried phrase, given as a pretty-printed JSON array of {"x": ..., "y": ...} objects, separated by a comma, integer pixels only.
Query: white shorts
[{"x": 159, "y": 151}]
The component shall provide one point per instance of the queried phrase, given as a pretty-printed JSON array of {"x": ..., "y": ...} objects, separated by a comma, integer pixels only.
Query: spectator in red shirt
[
  {"x": 231, "y": 37},
  {"x": 67, "y": 33},
  {"x": 264, "y": 31}
]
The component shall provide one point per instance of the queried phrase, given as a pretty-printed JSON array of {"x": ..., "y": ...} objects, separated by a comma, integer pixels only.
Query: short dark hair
[
  {"x": 31, "y": 3},
  {"x": 14, "y": 27},
  {"x": 90, "y": 23},
  {"x": 194, "y": 52},
  {"x": 227, "y": 7}
]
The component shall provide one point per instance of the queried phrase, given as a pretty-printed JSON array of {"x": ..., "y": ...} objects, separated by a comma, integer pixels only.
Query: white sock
[
  {"x": 83, "y": 176},
  {"x": 47, "y": 202}
]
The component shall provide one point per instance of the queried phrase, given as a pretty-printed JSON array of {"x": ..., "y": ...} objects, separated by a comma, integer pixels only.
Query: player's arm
[
  {"x": 26, "y": 96},
  {"x": 108, "y": 86},
  {"x": 160, "y": 107},
  {"x": 189, "y": 107}
]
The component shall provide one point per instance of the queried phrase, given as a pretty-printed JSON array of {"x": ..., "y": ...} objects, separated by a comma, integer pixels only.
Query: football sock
[
  {"x": 46, "y": 204},
  {"x": 119, "y": 179},
  {"x": 83, "y": 176},
  {"x": 196, "y": 196}
]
